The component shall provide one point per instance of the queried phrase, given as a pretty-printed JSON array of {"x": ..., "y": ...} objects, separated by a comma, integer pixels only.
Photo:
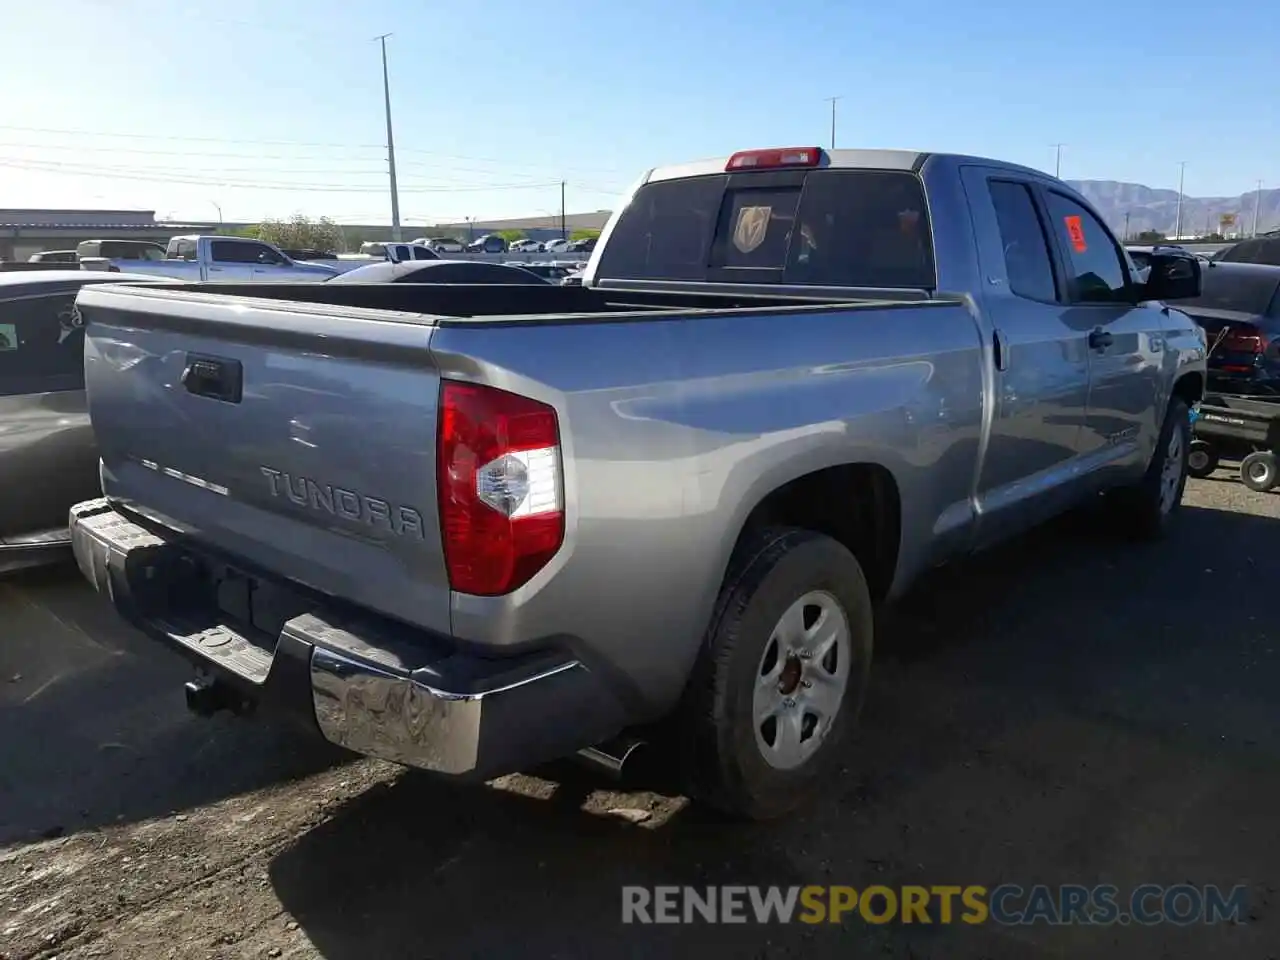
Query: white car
[
  {"x": 526, "y": 246},
  {"x": 556, "y": 246},
  {"x": 442, "y": 244}
]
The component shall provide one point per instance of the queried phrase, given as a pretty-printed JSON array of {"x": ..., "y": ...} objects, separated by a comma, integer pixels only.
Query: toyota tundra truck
[{"x": 470, "y": 529}]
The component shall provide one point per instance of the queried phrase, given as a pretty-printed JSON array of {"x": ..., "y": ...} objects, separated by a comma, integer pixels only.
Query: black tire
[
  {"x": 1143, "y": 511},
  {"x": 1258, "y": 471},
  {"x": 772, "y": 571},
  {"x": 1202, "y": 459}
]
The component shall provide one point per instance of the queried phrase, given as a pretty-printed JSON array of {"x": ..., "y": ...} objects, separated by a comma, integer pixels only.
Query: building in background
[
  {"x": 535, "y": 228},
  {"x": 27, "y": 231}
]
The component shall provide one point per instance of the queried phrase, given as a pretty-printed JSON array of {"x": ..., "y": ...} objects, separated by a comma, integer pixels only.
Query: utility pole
[
  {"x": 1126, "y": 226},
  {"x": 1257, "y": 202},
  {"x": 833, "y": 101},
  {"x": 1057, "y": 159},
  {"x": 391, "y": 147},
  {"x": 1177, "y": 224},
  {"x": 564, "y": 234}
]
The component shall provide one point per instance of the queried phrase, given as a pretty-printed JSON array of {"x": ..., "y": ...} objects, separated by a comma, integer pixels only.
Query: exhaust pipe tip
[
  {"x": 614, "y": 757},
  {"x": 206, "y": 697}
]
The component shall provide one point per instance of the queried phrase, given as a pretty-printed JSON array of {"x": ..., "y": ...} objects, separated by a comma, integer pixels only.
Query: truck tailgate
[{"x": 297, "y": 438}]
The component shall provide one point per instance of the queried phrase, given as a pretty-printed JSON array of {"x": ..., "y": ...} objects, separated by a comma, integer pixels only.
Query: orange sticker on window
[{"x": 1075, "y": 230}]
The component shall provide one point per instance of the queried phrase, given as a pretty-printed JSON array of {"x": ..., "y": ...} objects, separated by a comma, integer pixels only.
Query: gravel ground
[{"x": 1066, "y": 709}]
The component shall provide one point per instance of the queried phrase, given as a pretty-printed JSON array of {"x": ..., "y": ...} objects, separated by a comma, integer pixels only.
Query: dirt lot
[{"x": 1068, "y": 709}]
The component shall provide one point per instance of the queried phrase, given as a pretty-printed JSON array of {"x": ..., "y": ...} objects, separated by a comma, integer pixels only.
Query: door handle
[{"x": 1099, "y": 339}]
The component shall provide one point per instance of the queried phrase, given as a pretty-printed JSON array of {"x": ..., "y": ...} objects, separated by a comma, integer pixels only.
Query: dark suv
[{"x": 1239, "y": 309}]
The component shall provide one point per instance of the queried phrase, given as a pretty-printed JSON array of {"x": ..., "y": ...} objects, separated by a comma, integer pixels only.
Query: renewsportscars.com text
[{"x": 1007, "y": 904}]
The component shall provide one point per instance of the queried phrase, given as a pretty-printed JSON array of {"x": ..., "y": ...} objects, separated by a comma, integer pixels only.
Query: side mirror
[{"x": 1172, "y": 276}]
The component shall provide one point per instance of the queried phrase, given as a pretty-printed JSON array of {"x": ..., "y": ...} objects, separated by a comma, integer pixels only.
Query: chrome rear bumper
[{"x": 370, "y": 685}]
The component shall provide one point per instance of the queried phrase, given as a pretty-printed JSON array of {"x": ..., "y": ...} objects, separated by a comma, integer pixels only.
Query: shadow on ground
[
  {"x": 95, "y": 730},
  {"x": 1056, "y": 711}
]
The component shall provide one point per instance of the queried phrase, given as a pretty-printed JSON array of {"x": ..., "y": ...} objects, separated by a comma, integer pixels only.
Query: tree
[
  {"x": 584, "y": 235},
  {"x": 302, "y": 233},
  {"x": 1149, "y": 236},
  {"x": 511, "y": 236}
]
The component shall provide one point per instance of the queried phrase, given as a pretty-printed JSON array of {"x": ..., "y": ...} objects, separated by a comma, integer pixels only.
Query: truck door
[
  {"x": 1039, "y": 360},
  {"x": 233, "y": 260},
  {"x": 1128, "y": 368}
]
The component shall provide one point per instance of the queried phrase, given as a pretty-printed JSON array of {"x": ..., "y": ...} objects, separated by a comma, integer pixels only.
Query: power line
[
  {"x": 177, "y": 178},
  {"x": 212, "y": 179},
  {"x": 291, "y": 143},
  {"x": 375, "y": 167}
]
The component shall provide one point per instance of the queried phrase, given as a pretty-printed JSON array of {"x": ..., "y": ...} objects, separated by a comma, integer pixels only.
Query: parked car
[
  {"x": 54, "y": 256},
  {"x": 1263, "y": 249},
  {"x": 550, "y": 272},
  {"x": 48, "y": 460},
  {"x": 230, "y": 259},
  {"x": 582, "y": 246},
  {"x": 308, "y": 253},
  {"x": 490, "y": 243},
  {"x": 556, "y": 246},
  {"x": 439, "y": 271},
  {"x": 526, "y": 246},
  {"x": 442, "y": 244},
  {"x": 483, "y": 526},
  {"x": 1239, "y": 309}
]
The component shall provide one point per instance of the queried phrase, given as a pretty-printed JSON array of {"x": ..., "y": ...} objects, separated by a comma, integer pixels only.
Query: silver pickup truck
[
  {"x": 230, "y": 259},
  {"x": 473, "y": 528}
]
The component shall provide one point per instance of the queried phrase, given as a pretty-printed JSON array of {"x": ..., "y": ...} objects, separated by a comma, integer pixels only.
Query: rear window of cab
[{"x": 854, "y": 228}]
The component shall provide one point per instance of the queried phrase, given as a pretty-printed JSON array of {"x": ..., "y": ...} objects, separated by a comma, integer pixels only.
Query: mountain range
[{"x": 1150, "y": 209}]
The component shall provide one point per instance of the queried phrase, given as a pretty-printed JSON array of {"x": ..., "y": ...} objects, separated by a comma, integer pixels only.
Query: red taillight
[
  {"x": 498, "y": 474},
  {"x": 1249, "y": 340},
  {"x": 772, "y": 159}
]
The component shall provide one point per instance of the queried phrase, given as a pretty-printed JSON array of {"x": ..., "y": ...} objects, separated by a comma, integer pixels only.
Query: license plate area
[{"x": 226, "y": 615}]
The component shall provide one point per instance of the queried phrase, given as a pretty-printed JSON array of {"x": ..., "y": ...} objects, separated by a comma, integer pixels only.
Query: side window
[
  {"x": 1026, "y": 249},
  {"x": 1099, "y": 275},
  {"x": 268, "y": 256},
  {"x": 186, "y": 250},
  {"x": 234, "y": 251},
  {"x": 41, "y": 345}
]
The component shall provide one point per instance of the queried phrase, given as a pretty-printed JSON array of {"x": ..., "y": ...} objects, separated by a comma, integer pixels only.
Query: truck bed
[
  {"x": 529, "y": 301},
  {"x": 316, "y": 459}
]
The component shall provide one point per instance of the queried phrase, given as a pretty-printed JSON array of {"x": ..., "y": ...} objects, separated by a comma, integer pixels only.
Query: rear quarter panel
[{"x": 673, "y": 431}]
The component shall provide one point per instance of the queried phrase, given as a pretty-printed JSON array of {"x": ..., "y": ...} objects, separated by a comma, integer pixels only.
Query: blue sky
[{"x": 267, "y": 109}]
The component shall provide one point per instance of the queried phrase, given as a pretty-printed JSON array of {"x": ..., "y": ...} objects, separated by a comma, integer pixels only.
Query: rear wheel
[
  {"x": 781, "y": 676},
  {"x": 1202, "y": 459},
  {"x": 1258, "y": 471}
]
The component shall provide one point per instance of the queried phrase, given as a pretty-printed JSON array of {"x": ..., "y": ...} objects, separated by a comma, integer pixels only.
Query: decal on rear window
[{"x": 753, "y": 223}]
